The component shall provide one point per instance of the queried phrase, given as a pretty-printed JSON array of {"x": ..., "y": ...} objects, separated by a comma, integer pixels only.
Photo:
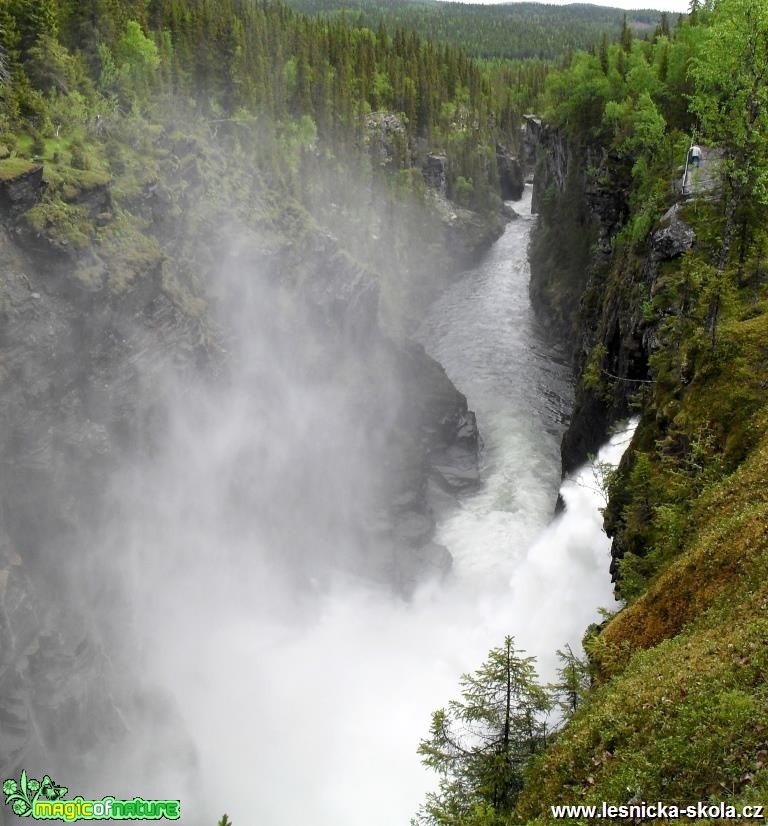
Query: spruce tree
[{"x": 480, "y": 745}]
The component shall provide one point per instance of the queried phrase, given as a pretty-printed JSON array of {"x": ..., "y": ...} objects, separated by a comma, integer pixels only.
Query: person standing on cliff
[{"x": 696, "y": 155}]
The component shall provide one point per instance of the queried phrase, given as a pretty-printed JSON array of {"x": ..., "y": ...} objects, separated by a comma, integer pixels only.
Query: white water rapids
[{"x": 314, "y": 716}]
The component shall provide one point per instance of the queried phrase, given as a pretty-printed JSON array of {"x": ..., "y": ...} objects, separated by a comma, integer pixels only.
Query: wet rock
[
  {"x": 413, "y": 528},
  {"x": 385, "y": 131},
  {"x": 53, "y": 679},
  {"x": 468, "y": 234},
  {"x": 73, "y": 363},
  {"x": 581, "y": 193},
  {"x": 434, "y": 172},
  {"x": 455, "y": 468},
  {"x": 464, "y": 429},
  {"x": 511, "y": 177},
  {"x": 20, "y": 193},
  {"x": 345, "y": 293},
  {"x": 530, "y": 140},
  {"x": 415, "y": 565}
]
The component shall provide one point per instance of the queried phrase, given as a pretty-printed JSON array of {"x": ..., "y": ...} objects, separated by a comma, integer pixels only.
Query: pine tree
[
  {"x": 603, "y": 54},
  {"x": 574, "y": 681},
  {"x": 33, "y": 19},
  {"x": 480, "y": 744},
  {"x": 626, "y": 36}
]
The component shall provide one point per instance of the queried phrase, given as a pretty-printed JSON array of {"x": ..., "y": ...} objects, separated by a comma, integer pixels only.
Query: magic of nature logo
[{"x": 44, "y": 800}]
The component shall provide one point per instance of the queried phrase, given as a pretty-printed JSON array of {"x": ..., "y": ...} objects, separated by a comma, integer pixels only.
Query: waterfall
[{"x": 306, "y": 704}]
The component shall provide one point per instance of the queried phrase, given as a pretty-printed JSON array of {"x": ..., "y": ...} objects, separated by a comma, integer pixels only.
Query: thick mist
[{"x": 270, "y": 662}]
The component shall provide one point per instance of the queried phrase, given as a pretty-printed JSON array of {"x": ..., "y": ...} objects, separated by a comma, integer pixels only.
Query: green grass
[
  {"x": 62, "y": 224},
  {"x": 12, "y": 168},
  {"x": 123, "y": 254}
]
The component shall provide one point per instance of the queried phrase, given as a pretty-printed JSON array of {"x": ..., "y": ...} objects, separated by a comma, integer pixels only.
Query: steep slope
[{"x": 670, "y": 320}]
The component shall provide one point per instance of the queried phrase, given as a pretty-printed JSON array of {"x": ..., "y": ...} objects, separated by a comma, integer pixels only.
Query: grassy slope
[{"x": 681, "y": 711}]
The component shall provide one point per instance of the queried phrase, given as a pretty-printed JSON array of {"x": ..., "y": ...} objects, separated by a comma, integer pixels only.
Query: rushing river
[
  {"x": 313, "y": 715},
  {"x": 484, "y": 333}
]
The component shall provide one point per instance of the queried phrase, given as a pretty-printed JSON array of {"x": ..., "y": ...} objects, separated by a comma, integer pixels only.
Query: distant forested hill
[
  {"x": 507, "y": 30},
  {"x": 70, "y": 71}
]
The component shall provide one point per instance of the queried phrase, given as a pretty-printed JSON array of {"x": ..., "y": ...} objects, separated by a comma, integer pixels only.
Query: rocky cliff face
[
  {"x": 603, "y": 294},
  {"x": 88, "y": 355},
  {"x": 511, "y": 175},
  {"x": 687, "y": 507},
  {"x": 580, "y": 195},
  {"x": 75, "y": 365},
  {"x": 453, "y": 237},
  {"x": 19, "y": 192}
]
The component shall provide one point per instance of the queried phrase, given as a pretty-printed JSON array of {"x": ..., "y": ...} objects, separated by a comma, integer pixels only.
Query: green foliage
[
  {"x": 227, "y": 58},
  {"x": 64, "y": 224},
  {"x": 574, "y": 682},
  {"x": 481, "y": 744},
  {"x": 138, "y": 61},
  {"x": 577, "y": 98},
  {"x": 11, "y": 168},
  {"x": 32, "y": 19},
  {"x": 683, "y": 722},
  {"x": 463, "y": 191},
  {"x": 519, "y": 31},
  {"x": 637, "y": 124},
  {"x": 731, "y": 97},
  {"x": 593, "y": 375},
  {"x": 53, "y": 69},
  {"x": 224, "y": 821}
]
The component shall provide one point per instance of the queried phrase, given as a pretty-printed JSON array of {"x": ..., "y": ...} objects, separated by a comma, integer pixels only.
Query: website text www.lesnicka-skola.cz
[{"x": 658, "y": 811}]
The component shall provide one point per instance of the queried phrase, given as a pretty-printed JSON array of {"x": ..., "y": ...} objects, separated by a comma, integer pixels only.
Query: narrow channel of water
[
  {"x": 484, "y": 332},
  {"x": 313, "y": 714}
]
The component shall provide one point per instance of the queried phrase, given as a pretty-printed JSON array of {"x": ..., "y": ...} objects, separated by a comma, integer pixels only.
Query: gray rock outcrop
[
  {"x": 20, "y": 192},
  {"x": 511, "y": 176},
  {"x": 434, "y": 171}
]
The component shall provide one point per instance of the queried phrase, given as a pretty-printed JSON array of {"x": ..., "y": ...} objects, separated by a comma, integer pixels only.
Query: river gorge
[
  {"x": 288, "y": 540},
  {"x": 323, "y": 693}
]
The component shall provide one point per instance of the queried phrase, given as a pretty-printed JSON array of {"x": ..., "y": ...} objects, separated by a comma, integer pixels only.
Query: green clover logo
[{"x": 22, "y": 796}]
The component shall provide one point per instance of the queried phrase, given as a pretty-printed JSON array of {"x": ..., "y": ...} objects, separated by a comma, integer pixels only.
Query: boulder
[
  {"x": 455, "y": 467},
  {"x": 674, "y": 237}
]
